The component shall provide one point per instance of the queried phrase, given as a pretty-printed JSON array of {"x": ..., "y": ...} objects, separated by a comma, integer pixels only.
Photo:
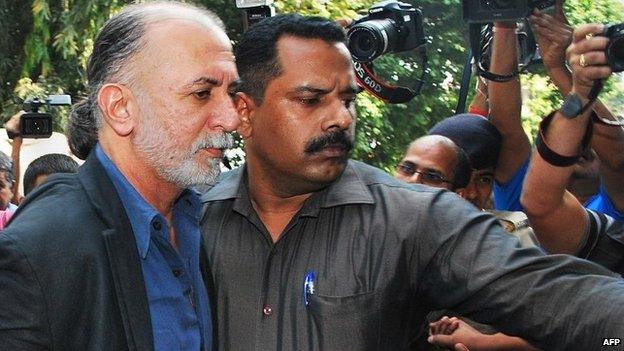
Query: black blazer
[{"x": 70, "y": 273}]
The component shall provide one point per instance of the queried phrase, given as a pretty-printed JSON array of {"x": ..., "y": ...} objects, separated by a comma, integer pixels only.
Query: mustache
[
  {"x": 332, "y": 138},
  {"x": 214, "y": 141}
]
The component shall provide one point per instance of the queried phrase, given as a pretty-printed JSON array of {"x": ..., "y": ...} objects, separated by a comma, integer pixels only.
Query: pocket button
[{"x": 267, "y": 310}]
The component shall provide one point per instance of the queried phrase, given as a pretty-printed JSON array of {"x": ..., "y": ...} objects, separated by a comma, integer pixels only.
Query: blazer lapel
[{"x": 122, "y": 253}]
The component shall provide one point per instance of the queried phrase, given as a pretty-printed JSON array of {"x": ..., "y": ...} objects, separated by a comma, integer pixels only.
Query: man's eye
[
  {"x": 349, "y": 102},
  {"x": 309, "y": 101},
  {"x": 485, "y": 180},
  {"x": 432, "y": 176},
  {"x": 202, "y": 94}
]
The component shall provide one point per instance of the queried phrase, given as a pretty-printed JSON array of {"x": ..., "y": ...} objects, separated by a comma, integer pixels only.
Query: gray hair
[{"x": 122, "y": 37}]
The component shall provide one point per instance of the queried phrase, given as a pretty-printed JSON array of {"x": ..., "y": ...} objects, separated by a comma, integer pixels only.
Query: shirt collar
[
  {"x": 349, "y": 188},
  {"x": 139, "y": 211}
]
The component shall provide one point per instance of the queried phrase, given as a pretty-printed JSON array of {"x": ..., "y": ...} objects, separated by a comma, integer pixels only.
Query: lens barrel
[
  {"x": 371, "y": 39},
  {"x": 615, "y": 49}
]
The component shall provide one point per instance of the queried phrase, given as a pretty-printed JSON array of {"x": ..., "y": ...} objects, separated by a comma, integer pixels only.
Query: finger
[
  {"x": 581, "y": 32},
  {"x": 441, "y": 340},
  {"x": 448, "y": 328},
  {"x": 591, "y": 73},
  {"x": 461, "y": 347},
  {"x": 588, "y": 45},
  {"x": 454, "y": 326},
  {"x": 344, "y": 22},
  {"x": 592, "y": 58}
]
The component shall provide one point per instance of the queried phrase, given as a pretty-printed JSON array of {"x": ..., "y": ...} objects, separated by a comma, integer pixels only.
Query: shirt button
[
  {"x": 157, "y": 225},
  {"x": 177, "y": 272},
  {"x": 267, "y": 310}
]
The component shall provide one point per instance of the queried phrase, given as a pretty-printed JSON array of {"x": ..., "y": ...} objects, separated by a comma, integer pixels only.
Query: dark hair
[
  {"x": 477, "y": 136},
  {"x": 46, "y": 165},
  {"x": 256, "y": 52},
  {"x": 82, "y": 130},
  {"x": 463, "y": 169}
]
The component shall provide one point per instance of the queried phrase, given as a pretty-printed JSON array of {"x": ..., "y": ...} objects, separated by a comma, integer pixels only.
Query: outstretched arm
[
  {"x": 558, "y": 219},
  {"x": 12, "y": 127},
  {"x": 554, "y": 34},
  {"x": 506, "y": 103}
]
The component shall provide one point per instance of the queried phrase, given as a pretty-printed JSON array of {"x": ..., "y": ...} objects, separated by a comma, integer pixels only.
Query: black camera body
[
  {"x": 255, "y": 11},
  {"x": 390, "y": 26},
  {"x": 615, "y": 48},
  {"x": 484, "y": 11},
  {"x": 34, "y": 124}
]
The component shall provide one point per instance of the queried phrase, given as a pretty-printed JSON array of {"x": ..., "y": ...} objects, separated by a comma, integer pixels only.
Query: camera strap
[
  {"x": 366, "y": 78},
  {"x": 475, "y": 46}
]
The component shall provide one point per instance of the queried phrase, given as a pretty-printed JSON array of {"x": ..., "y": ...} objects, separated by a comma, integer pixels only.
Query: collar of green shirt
[{"x": 347, "y": 189}]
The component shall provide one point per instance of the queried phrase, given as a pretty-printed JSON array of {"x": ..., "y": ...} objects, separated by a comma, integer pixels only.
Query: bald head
[
  {"x": 124, "y": 36},
  {"x": 435, "y": 154}
]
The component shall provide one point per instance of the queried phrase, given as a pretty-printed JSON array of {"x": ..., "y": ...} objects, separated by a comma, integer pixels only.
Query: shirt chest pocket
[{"x": 356, "y": 322}]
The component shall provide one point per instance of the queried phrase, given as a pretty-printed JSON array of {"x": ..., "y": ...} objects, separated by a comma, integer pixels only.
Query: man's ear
[
  {"x": 245, "y": 106},
  {"x": 117, "y": 104}
]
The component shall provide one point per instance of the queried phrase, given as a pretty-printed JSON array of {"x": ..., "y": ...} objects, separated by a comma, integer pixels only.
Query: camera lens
[
  {"x": 371, "y": 39},
  {"x": 615, "y": 53},
  {"x": 36, "y": 126}
]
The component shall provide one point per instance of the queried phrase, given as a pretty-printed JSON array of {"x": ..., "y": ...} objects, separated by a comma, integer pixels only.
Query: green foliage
[{"x": 44, "y": 46}]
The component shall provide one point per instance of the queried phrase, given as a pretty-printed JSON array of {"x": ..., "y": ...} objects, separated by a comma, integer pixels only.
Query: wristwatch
[{"x": 572, "y": 106}]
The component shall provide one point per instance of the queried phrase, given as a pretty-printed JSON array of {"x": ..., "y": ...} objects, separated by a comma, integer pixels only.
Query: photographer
[
  {"x": 554, "y": 34},
  {"x": 561, "y": 222}
]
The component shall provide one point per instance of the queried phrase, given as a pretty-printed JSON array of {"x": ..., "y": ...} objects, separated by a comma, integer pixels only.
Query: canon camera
[
  {"x": 390, "y": 26},
  {"x": 482, "y": 11},
  {"x": 615, "y": 49}
]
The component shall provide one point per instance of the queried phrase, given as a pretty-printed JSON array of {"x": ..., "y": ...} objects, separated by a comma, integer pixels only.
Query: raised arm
[
  {"x": 506, "y": 103},
  {"x": 558, "y": 219},
  {"x": 554, "y": 34},
  {"x": 12, "y": 128}
]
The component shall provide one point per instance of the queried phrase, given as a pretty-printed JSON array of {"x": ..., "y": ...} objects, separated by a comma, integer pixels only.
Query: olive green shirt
[{"x": 384, "y": 253}]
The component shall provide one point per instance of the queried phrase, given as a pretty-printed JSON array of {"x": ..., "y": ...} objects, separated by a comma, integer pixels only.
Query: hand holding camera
[
  {"x": 588, "y": 59},
  {"x": 553, "y": 35}
]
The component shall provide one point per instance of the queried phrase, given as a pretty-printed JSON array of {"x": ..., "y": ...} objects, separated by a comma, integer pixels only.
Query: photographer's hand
[
  {"x": 557, "y": 218},
  {"x": 13, "y": 130},
  {"x": 587, "y": 58},
  {"x": 553, "y": 37}
]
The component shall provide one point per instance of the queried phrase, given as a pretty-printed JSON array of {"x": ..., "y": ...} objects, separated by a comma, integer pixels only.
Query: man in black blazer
[{"x": 108, "y": 259}]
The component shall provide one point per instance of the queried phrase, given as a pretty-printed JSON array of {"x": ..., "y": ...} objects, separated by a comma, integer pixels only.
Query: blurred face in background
[{"x": 6, "y": 193}]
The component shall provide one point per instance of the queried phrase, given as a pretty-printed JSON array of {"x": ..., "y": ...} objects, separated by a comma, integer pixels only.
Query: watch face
[{"x": 572, "y": 106}]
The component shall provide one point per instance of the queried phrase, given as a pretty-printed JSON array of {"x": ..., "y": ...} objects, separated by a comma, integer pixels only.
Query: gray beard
[{"x": 173, "y": 164}]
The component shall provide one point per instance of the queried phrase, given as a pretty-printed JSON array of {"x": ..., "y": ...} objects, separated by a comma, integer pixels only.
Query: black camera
[
  {"x": 390, "y": 26},
  {"x": 615, "y": 49},
  {"x": 482, "y": 11},
  {"x": 34, "y": 124},
  {"x": 255, "y": 11}
]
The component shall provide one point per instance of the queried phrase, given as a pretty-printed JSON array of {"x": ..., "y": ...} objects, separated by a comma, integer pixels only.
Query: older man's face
[{"x": 185, "y": 107}]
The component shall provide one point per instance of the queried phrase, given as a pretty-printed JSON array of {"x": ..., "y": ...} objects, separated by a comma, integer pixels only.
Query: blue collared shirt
[{"x": 176, "y": 293}]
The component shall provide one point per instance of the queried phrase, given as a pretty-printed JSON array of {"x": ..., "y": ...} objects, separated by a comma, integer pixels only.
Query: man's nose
[
  {"x": 225, "y": 116},
  {"x": 470, "y": 191},
  {"x": 339, "y": 117}
]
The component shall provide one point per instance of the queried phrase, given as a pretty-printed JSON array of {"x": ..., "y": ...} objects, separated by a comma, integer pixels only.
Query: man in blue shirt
[{"x": 108, "y": 259}]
